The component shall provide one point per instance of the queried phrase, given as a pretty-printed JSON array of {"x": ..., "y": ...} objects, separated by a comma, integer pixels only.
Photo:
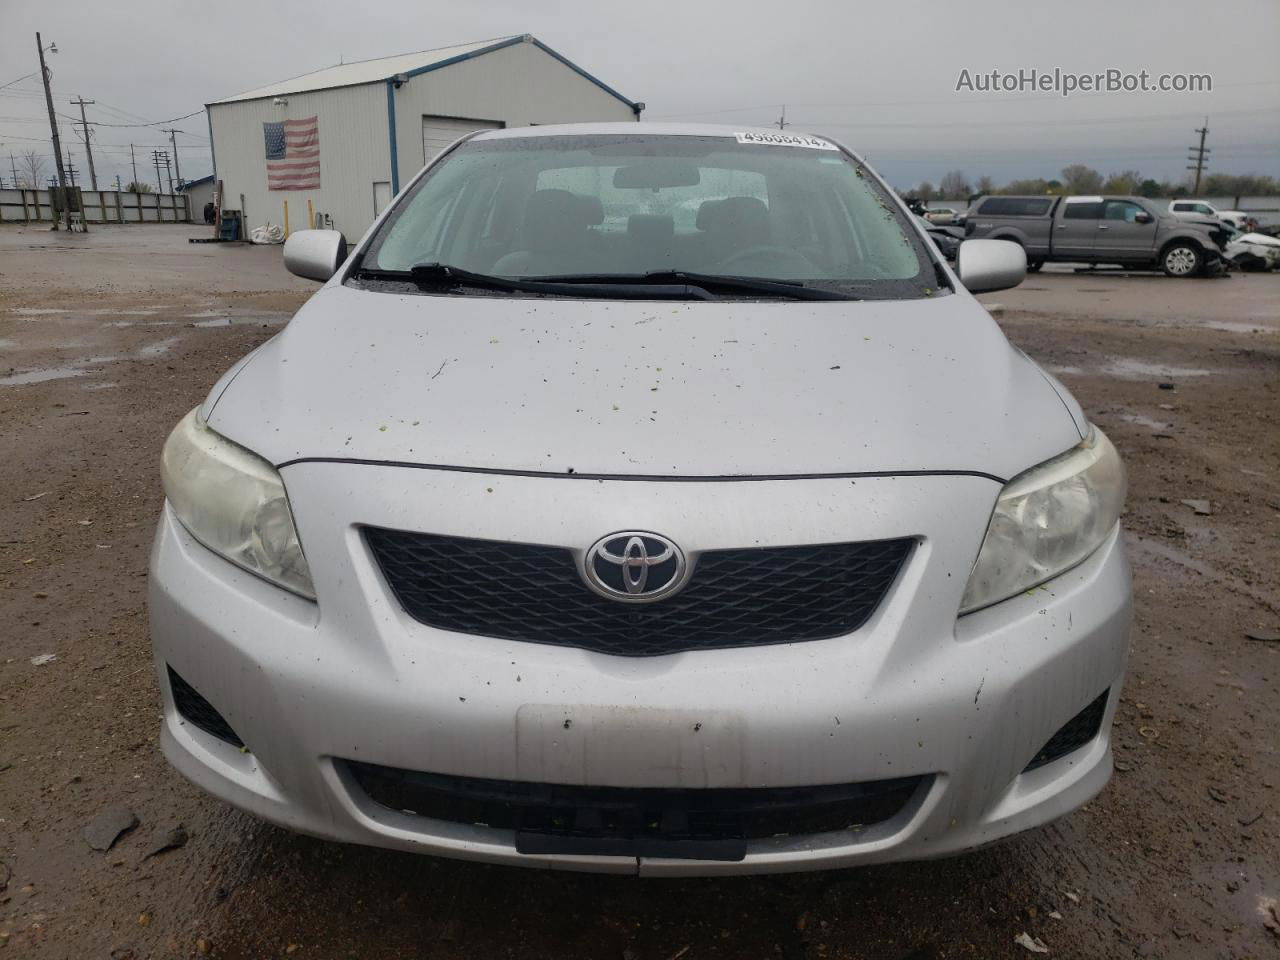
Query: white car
[
  {"x": 1253, "y": 251},
  {"x": 1202, "y": 208},
  {"x": 732, "y": 542}
]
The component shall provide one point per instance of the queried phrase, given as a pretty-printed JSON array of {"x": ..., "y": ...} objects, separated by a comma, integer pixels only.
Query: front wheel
[
  {"x": 1182, "y": 260},
  {"x": 1033, "y": 266}
]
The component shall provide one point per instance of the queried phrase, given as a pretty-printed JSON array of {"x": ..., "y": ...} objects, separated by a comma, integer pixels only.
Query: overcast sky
[{"x": 879, "y": 76}]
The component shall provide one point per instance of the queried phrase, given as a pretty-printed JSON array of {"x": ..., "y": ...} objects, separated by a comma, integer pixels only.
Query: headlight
[
  {"x": 234, "y": 503},
  {"x": 1047, "y": 520}
]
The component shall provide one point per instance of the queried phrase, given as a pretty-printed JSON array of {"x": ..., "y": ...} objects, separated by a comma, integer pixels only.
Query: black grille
[
  {"x": 199, "y": 712},
  {"x": 734, "y": 598},
  {"x": 703, "y": 824},
  {"x": 1073, "y": 734}
]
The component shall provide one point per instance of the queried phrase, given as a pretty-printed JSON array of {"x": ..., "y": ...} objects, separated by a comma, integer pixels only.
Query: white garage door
[{"x": 439, "y": 132}]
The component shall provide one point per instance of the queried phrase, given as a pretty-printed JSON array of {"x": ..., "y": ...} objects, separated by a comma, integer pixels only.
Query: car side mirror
[
  {"x": 1143, "y": 218},
  {"x": 987, "y": 265},
  {"x": 315, "y": 254}
]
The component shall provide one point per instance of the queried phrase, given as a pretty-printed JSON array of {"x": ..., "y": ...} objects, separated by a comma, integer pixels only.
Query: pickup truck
[
  {"x": 1122, "y": 230},
  {"x": 1206, "y": 210}
]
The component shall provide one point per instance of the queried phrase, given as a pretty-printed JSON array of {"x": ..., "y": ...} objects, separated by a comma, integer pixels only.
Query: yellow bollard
[
  {"x": 311, "y": 217},
  {"x": 286, "y": 219}
]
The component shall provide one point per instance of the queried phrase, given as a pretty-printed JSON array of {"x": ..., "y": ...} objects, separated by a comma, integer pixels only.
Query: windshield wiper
[
  {"x": 442, "y": 274},
  {"x": 788, "y": 289}
]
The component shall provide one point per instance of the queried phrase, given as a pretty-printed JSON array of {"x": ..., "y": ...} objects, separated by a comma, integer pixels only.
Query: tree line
[
  {"x": 28, "y": 172},
  {"x": 1079, "y": 178}
]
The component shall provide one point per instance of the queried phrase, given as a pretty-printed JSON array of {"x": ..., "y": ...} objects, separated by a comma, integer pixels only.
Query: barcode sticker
[{"x": 785, "y": 140}]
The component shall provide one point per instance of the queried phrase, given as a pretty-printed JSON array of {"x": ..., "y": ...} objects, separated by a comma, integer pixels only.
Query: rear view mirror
[
  {"x": 987, "y": 265},
  {"x": 315, "y": 254},
  {"x": 1143, "y": 218},
  {"x": 656, "y": 174}
]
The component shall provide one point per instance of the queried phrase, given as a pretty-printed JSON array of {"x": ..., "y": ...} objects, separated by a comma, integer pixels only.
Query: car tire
[
  {"x": 1181, "y": 259},
  {"x": 1033, "y": 266}
]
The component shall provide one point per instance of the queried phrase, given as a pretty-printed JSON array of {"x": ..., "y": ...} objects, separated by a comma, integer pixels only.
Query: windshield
[{"x": 627, "y": 205}]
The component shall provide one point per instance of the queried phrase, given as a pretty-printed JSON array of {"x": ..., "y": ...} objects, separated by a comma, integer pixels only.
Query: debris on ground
[
  {"x": 1263, "y": 636},
  {"x": 1030, "y": 943},
  {"x": 106, "y": 828},
  {"x": 1270, "y": 911},
  {"x": 171, "y": 839},
  {"x": 1201, "y": 507},
  {"x": 41, "y": 659},
  {"x": 1166, "y": 386}
]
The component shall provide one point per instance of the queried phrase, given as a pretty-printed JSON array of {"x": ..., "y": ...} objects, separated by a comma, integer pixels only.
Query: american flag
[{"x": 293, "y": 154}]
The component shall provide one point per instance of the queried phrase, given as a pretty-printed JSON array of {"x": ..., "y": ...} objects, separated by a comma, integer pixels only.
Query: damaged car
[{"x": 1253, "y": 251}]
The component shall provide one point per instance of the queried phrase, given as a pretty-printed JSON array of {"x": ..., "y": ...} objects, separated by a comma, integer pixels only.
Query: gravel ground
[{"x": 106, "y": 339}]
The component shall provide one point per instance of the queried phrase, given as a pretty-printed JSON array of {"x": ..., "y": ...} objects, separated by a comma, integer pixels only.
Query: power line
[
  {"x": 19, "y": 80},
  {"x": 152, "y": 123}
]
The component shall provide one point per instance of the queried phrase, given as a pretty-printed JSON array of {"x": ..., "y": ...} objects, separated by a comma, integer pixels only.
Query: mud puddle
[
  {"x": 213, "y": 319},
  {"x": 80, "y": 368},
  {"x": 1142, "y": 420},
  {"x": 44, "y": 374}
]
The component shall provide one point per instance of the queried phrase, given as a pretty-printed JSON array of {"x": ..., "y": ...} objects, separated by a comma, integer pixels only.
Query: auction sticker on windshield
[{"x": 785, "y": 140}]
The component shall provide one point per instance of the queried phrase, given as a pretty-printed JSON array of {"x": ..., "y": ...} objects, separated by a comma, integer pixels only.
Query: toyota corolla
[{"x": 647, "y": 499}]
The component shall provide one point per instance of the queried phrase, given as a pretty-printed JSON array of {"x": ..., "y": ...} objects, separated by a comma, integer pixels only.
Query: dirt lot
[{"x": 106, "y": 340}]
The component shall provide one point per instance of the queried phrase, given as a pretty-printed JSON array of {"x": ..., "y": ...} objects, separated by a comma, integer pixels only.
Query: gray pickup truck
[{"x": 1121, "y": 230}]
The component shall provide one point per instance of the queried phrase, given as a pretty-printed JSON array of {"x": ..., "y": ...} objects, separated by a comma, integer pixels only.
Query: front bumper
[{"x": 966, "y": 704}]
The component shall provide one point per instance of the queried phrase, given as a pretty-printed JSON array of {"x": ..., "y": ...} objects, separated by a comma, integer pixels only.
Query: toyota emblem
[{"x": 634, "y": 567}]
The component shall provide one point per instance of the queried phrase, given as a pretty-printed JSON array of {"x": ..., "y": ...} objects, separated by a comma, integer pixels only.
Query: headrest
[
  {"x": 731, "y": 212},
  {"x": 746, "y": 217},
  {"x": 554, "y": 208},
  {"x": 706, "y": 214},
  {"x": 553, "y": 218},
  {"x": 651, "y": 227}
]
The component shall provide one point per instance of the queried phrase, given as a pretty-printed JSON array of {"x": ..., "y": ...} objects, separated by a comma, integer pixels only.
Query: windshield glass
[{"x": 627, "y": 205}]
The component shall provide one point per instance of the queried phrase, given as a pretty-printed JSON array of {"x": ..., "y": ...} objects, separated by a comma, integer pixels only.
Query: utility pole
[
  {"x": 155, "y": 158},
  {"x": 1200, "y": 160},
  {"x": 71, "y": 171},
  {"x": 167, "y": 172},
  {"x": 782, "y": 120},
  {"x": 14, "y": 167},
  {"x": 81, "y": 102},
  {"x": 133, "y": 160},
  {"x": 174, "y": 140},
  {"x": 118, "y": 188},
  {"x": 53, "y": 126}
]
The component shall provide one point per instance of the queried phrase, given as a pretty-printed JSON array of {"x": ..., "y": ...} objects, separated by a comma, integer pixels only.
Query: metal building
[{"x": 332, "y": 147}]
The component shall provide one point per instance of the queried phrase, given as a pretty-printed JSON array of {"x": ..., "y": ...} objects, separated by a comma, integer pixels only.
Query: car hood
[{"x": 652, "y": 388}]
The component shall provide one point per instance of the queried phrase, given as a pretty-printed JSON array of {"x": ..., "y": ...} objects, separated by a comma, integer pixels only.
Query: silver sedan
[{"x": 643, "y": 499}]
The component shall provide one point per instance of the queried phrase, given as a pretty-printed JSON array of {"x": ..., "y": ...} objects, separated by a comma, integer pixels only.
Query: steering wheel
[{"x": 797, "y": 263}]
